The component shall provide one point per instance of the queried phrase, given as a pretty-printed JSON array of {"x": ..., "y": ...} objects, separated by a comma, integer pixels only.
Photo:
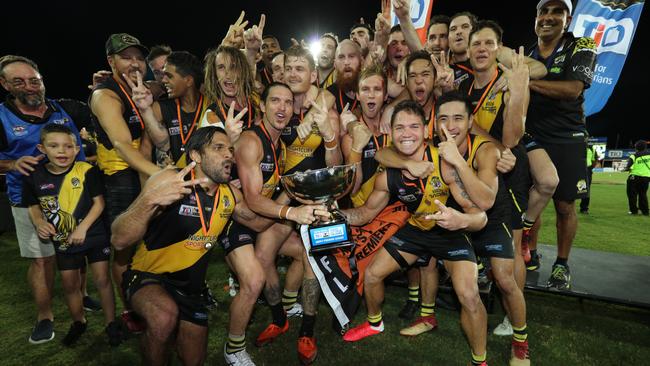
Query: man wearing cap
[
  {"x": 556, "y": 122},
  {"x": 120, "y": 129}
]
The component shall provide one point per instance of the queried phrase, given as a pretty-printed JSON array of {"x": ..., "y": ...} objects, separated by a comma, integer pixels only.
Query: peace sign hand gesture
[
  {"x": 235, "y": 35},
  {"x": 140, "y": 94},
  {"x": 518, "y": 75},
  {"x": 168, "y": 186},
  {"x": 444, "y": 73},
  {"x": 253, "y": 35},
  {"x": 234, "y": 125}
]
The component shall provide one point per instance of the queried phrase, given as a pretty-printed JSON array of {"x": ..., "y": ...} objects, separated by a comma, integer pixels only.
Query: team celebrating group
[{"x": 459, "y": 143}]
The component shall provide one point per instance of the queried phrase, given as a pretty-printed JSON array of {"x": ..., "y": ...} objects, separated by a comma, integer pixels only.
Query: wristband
[
  {"x": 331, "y": 144},
  {"x": 283, "y": 212},
  {"x": 286, "y": 215},
  {"x": 357, "y": 151}
]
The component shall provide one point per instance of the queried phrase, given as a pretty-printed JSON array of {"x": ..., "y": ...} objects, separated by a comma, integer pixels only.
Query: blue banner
[{"x": 611, "y": 23}]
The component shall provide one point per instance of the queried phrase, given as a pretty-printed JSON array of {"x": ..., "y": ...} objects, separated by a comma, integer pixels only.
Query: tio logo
[
  {"x": 610, "y": 35},
  {"x": 418, "y": 11}
]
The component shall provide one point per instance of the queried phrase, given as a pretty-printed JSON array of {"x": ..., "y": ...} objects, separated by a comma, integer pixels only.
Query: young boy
[{"x": 65, "y": 203}]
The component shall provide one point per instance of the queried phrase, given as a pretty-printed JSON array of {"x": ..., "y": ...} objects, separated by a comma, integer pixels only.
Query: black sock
[
  {"x": 307, "y": 327},
  {"x": 533, "y": 253},
  {"x": 562, "y": 261},
  {"x": 279, "y": 315}
]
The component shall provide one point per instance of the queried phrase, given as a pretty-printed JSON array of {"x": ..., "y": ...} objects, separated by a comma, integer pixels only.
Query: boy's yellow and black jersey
[
  {"x": 173, "y": 117},
  {"x": 489, "y": 105},
  {"x": 500, "y": 211},
  {"x": 419, "y": 194},
  {"x": 272, "y": 164},
  {"x": 369, "y": 168},
  {"x": 65, "y": 199},
  {"x": 175, "y": 241},
  {"x": 302, "y": 155},
  {"x": 107, "y": 158}
]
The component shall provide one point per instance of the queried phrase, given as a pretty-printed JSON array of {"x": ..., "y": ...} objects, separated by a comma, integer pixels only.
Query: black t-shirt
[
  {"x": 79, "y": 112},
  {"x": 65, "y": 199},
  {"x": 562, "y": 121}
]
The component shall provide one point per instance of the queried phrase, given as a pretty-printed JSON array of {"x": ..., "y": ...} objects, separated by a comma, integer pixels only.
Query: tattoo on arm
[
  {"x": 310, "y": 295},
  {"x": 461, "y": 188}
]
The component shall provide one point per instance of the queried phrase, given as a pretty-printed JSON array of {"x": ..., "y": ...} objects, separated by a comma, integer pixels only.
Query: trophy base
[{"x": 329, "y": 236}]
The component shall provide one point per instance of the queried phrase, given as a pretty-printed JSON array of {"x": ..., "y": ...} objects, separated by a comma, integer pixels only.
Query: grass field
[{"x": 563, "y": 331}]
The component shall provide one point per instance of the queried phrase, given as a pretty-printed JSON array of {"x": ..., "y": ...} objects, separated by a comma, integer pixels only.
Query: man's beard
[
  {"x": 347, "y": 84},
  {"x": 31, "y": 99}
]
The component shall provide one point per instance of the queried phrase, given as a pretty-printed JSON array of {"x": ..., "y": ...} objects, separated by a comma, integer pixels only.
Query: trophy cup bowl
[{"x": 324, "y": 185}]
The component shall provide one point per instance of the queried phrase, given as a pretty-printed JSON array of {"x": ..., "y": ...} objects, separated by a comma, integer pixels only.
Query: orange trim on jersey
[
  {"x": 180, "y": 120},
  {"x": 214, "y": 208},
  {"x": 485, "y": 93},
  {"x": 128, "y": 97}
]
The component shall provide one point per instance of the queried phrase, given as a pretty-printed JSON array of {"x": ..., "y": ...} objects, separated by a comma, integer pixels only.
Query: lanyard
[
  {"x": 135, "y": 109},
  {"x": 384, "y": 136},
  {"x": 180, "y": 121},
  {"x": 250, "y": 112},
  {"x": 276, "y": 173},
  {"x": 214, "y": 208},
  {"x": 485, "y": 92},
  {"x": 432, "y": 120},
  {"x": 343, "y": 105},
  {"x": 266, "y": 75}
]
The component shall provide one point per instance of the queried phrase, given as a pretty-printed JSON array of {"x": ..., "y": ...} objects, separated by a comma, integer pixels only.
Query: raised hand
[
  {"x": 346, "y": 117},
  {"x": 253, "y": 35},
  {"x": 321, "y": 119},
  {"x": 402, "y": 8},
  {"x": 25, "y": 164},
  {"x": 401, "y": 75},
  {"x": 444, "y": 73},
  {"x": 447, "y": 218},
  {"x": 361, "y": 135},
  {"x": 99, "y": 77},
  {"x": 235, "y": 35},
  {"x": 168, "y": 186},
  {"x": 376, "y": 53},
  {"x": 518, "y": 75},
  {"x": 234, "y": 125},
  {"x": 140, "y": 94},
  {"x": 448, "y": 150}
]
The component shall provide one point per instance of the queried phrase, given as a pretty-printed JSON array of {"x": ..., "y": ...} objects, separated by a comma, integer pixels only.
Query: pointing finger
[{"x": 446, "y": 133}]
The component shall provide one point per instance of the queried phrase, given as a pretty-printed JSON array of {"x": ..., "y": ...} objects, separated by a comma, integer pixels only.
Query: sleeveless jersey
[
  {"x": 418, "y": 195},
  {"x": 175, "y": 244},
  {"x": 107, "y": 158},
  {"x": 462, "y": 71},
  {"x": 272, "y": 162},
  {"x": 170, "y": 110},
  {"x": 22, "y": 138},
  {"x": 488, "y": 105},
  {"x": 327, "y": 81},
  {"x": 301, "y": 156},
  {"x": 369, "y": 168}
]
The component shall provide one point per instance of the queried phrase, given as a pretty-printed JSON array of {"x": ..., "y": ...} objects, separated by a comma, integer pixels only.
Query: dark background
[{"x": 66, "y": 39}]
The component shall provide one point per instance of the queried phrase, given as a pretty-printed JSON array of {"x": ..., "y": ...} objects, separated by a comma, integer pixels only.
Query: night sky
[{"x": 67, "y": 40}]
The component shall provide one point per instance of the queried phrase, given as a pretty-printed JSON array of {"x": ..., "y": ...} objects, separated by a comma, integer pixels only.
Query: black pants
[
  {"x": 584, "y": 203},
  {"x": 637, "y": 188}
]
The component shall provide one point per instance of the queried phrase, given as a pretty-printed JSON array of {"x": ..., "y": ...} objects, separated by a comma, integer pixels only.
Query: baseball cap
[
  {"x": 118, "y": 42},
  {"x": 567, "y": 3}
]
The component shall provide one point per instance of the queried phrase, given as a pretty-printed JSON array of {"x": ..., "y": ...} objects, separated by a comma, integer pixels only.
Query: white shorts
[{"x": 28, "y": 241}]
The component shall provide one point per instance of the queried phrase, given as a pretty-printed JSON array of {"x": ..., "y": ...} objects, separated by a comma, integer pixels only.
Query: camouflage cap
[{"x": 118, "y": 42}]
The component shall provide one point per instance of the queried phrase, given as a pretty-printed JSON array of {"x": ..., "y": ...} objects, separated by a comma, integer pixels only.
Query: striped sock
[
  {"x": 375, "y": 320},
  {"x": 414, "y": 293},
  {"x": 289, "y": 298},
  {"x": 477, "y": 360},
  {"x": 235, "y": 343},
  {"x": 520, "y": 334},
  {"x": 527, "y": 223},
  {"x": 427, "y": 309}
]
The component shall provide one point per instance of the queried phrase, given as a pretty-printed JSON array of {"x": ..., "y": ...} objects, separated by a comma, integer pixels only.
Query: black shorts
[
  {"x": 122, "y": 188},
  {"x": 437, "y": 243},
  {"x": 518, "y": 183},
  {"x": 191, "y": 307},
  {"x": 495, "y": 240},
  {"x": 236, "y": 235},
  {"x": 569, "y": 160},
  {"x": 77, "y": 260}
]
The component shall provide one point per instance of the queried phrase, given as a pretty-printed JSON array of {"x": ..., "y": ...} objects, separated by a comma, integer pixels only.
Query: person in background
[
  {"x": 156, "y": 60},
  {"x": 592, "y": 161},
  {"x": 637, "y": 183}
]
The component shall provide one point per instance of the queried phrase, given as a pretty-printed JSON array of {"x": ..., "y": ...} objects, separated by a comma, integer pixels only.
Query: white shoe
[
  {"x": 295, "y": 311},
  {"x": 241, "y": 358},
  {"x": 503, "y": 329}
]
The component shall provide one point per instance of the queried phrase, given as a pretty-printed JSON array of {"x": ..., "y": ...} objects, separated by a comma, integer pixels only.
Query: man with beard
[
  {"x": 460, "y": 24},
  {"x": 347, "y": 66},
  {"x": 120, "y": 132},
  {"x": 22, "y": 116},
  {"x": 312, "y": 141},
  {"x": 171, "y": 122},
  {"x": 259, "y": 154},
  {"x": 438, "y": 35},
  {"x": 328, "y": 46},
  {"x": 270, "y": 46},
  {"x": 436, "y": 228},
  {"x": 228, "y": 84},
  {"x": 362, "y": 34}
]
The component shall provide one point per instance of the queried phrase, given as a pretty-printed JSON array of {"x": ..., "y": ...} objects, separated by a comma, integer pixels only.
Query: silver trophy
[{"x": 324, "y": 185}]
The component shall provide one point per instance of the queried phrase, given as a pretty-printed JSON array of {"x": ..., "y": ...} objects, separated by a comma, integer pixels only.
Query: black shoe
[
  {"x": 534, "y": 263},
  {"x": 42, "y": 332},
  {"x": 409, "y": 310},
  {"x": 76, "y": 330},
  {"x": 91, "y": 304},
  {"x": 584, "y": 212},
  {"x": 114, "y": 332},
  {"x": 560, "y": 278}
]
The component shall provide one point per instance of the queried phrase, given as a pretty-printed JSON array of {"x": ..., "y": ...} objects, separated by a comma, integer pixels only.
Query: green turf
[{"x": 563, "y": 331}]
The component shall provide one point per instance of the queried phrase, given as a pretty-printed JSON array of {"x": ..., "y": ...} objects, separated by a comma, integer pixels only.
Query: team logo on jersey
[
  {"x": 436, "y": 183},
  {"x": 582, "y": 186},
  {"x": 60, "y": 121},
  {"x": 267, "y": 167},
  {"x": 174, "y": 131},
  {"x": 408, "y": 198},
  {"x": 75, "y": 182},
  {"x": 226, "y": 201},
  {"x": 369, "y": 153},
  {"x": 134, "y": 118},
  {"x": 286, "y": 131},
  {"x": 47, "y": 186},
  {"x": 19, "y": 131},
  {"x": 186, "y": 210}
]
